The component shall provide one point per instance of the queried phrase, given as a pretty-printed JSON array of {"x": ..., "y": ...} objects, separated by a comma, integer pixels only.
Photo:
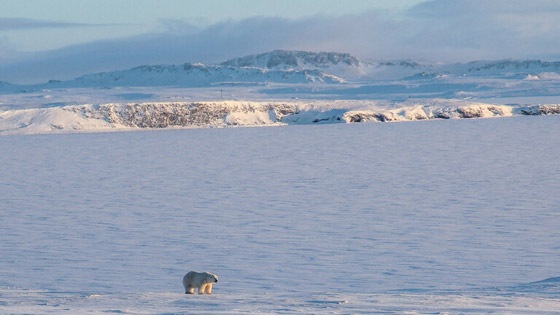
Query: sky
[{"x": 62, "y": 39}]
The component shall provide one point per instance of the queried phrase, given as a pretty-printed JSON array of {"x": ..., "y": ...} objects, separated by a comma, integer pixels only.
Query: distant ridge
[
  {"x": 294, "y": 58},
  {"x": 514, "y": 65},
  {"x": 300, "y": 67}
]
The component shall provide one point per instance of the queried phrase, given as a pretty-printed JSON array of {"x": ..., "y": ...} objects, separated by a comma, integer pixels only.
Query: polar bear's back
[{"x": 189, "y": 277}]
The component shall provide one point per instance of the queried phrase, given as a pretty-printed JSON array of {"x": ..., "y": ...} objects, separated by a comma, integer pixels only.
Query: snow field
[
  {"x": 33, "y": 302},
  {"x": 449, "y": 216}
]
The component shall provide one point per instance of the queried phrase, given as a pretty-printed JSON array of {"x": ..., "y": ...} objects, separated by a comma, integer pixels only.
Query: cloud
[
  {"x": 438, "y": 30},
  {"x": 215, "y": 43},
  {"x": 498, "y": 21},
  {"x": 177, "y": 26},
  {"x": 12, "y": 24},
  {"x": 478, "y": 29},
  {"x": 450, "y": 9}
]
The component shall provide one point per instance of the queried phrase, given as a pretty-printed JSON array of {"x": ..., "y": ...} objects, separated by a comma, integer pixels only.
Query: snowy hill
[
  {"x": 507, "y": 69},
  {"x": 196, "y": 75},
  {"x": 288, "y": 59},
  {"x": 505, "y": 66},
  {"x": 342, "y": 65},
  {"x": 278, "y": 66},
  {"x": 300, "y": 67},
  {"x": 349, "y": 67}
]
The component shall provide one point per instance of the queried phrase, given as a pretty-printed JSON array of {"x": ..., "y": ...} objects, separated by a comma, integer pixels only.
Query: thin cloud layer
[
  {"x": 478, "y": 29},
  {"x": 439, "y": 30},
  {"x": 11, "y": 24}
]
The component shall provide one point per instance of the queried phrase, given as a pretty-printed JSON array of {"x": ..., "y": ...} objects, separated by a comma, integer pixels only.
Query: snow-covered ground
[
  {"x": 323, "y": 214},
  {"x": 432, "y": 217}
]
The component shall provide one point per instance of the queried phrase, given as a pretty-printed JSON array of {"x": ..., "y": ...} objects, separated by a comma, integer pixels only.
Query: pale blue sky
[{"x": 105, "y": 19}]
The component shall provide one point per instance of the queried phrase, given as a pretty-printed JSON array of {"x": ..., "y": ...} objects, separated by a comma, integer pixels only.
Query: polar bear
[{"x": 201, "y": 280}]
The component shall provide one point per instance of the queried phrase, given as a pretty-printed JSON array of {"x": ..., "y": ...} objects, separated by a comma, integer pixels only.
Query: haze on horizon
[{"x": 62, "y": 39}]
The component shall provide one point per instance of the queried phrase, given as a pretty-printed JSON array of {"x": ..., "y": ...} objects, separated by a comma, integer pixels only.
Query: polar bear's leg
[
  {"x": 209, "y": 288},
  {"x": 190, "y": 290},
  {"x": 202, "y": 288}
]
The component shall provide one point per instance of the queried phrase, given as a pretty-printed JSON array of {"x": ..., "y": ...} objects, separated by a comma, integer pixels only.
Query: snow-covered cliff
[{"x": 105, "y": 117}]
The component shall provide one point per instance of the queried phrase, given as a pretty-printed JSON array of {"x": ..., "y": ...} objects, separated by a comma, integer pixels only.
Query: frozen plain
[{"x": 445, "y": 216}]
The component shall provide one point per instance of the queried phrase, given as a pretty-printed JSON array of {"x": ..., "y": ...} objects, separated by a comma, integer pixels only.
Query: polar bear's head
[{"x": 210, "y": 278}]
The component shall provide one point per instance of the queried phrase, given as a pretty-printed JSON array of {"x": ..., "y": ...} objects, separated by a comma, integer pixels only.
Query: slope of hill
[
  {"x": 196, "y": 75},
  {"x": 505, "y": 69},
  {"x": 294, "y": 59},
  {"x": 342, "y": 65},
  {"x": 349, "y": 67}
]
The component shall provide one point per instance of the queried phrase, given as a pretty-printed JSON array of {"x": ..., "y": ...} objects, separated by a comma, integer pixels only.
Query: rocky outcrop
[
  {"x": 549, "y": 109},
  {"x": 291, "y": 59}
]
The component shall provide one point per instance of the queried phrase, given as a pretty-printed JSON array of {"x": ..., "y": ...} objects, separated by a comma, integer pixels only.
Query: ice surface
[{"x": 443, "y": 216}]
